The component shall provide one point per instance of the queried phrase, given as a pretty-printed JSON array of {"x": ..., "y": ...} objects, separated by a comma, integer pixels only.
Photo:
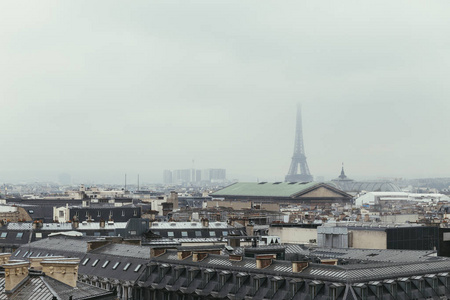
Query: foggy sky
[{"x": 97, "y": 89}]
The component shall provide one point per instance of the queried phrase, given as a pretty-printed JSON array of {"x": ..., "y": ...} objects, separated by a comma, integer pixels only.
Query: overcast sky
[{"x": 97, "y": 89}]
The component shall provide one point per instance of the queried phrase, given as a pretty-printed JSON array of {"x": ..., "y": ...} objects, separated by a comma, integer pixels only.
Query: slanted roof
[
  {"x": 265, "y": 189},
  {"x": 275, "y": 189},
  {"x": 41, "y": 287}
]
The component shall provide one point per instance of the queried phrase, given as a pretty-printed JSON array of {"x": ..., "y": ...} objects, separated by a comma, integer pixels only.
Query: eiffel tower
[{"x": 298, "y": 162}]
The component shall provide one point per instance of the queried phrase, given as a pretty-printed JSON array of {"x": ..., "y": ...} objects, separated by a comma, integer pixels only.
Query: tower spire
[
  {"x": 298, "y": 162},
  {"x": 342, "y": 176}
]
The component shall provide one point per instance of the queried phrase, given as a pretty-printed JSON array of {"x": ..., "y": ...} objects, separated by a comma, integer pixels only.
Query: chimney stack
[
  {"x": 235, "y": 257},
  {"x": 263, "y": 261},
  {"x": 205, "y": 222},
  {"x": 299, "y": 266},
  {"x": 184, "y": 254},
  {"x": 155, "y": 252},
  {"x": 92, "y": 245},
  {"x": 173, "y": 198},
  {"x": 102, "y": 223},
  {"x": 249, "y": 229},
  {"x": 4, "y": 258},
  {"x": 366, "y": 218},
  {"x": 15, "y": 274},
  {"x": 62, "y": 270},
  {"x": 199, "y": 256}
]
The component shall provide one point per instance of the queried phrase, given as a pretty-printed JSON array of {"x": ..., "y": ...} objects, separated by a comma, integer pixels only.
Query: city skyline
[{"x": 97, "y": 93}]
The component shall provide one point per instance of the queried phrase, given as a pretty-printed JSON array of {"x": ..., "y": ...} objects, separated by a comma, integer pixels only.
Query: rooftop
[{"x": 265, "y": 189}]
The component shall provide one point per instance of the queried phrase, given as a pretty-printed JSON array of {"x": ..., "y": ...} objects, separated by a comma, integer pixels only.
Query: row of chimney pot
[{"x": 262, "y": 261}]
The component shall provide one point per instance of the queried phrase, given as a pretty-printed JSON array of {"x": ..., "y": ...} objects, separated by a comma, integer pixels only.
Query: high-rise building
[
  {"x": 194, "y": 176},
  {"x": 167, "y": 177}
]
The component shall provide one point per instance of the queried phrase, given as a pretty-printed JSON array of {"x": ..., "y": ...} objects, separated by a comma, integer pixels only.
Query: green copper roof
[{"x": 265, "y": 189}]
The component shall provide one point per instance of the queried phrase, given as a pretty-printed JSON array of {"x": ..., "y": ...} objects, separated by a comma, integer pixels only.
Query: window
[
  {"x": 198, "y": 233},
  {"x": 3, "y": 235},
  {"x": 39, "y": 235},
  {"x": 30, "y": 211},
  {"x": 116, "y": 265},
  {"x": 126, "y": 266},
  {"x": 184, "y": 234},
  {"x": 212, "y": 233},
  {"x": 39, "y": 254},
  {"x": 87, "y": 214},
  {"x": 96, "y": 233},
  {"x": 105, "y": 264},
  {"x": 123, "y": 213},
  {"x": 170, "y": 233},
  {"x": 77, "y": 214},
  {"x": 19, "y": 235},
  {"x": 95, "y": 262},
  {"x": 135, "y": 212},
  {"x": 133, "y": 232},
  {"x": 225, "y": 233},
  {"x": 110, "y": 213},
  {"x": 137, "y": 268},
  {"x": 98, "y": 213},
  {"x": 61, "y": 214},
  {"x": 25, "y": 254},
  {"x": 17, "y": 253}
]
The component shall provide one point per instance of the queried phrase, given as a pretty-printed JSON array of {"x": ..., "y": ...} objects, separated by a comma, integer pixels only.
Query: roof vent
[
  {"x": 292, "y": 182},
  {"x": 264, "y": 182},
  {"x": 278, "y": 182}
]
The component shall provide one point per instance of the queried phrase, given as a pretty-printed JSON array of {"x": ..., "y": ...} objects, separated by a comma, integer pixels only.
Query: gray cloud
[{"x": 97, "y": 89}]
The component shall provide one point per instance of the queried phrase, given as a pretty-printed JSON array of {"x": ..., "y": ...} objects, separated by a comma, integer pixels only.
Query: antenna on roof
[
  {"x": 125, "y": 181},
  {"x": 138, "y": 183}
]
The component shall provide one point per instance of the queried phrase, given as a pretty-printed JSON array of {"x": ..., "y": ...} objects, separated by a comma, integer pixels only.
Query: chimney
[
  {"x": 358, "y": 217},
  {"x": 184, "y": 254},
  {"x": 333, "y": 262},
  {"x": 235, "y": 257},
  {"x": 102, "y": 223},
  {"x": 64, "y": 271},
  {"x": 35, "y": 262},
  {"x": 137, "y": 242},
  {"x": 173, "y": 198},
  {"x": 15, "y": 274},
  {"x": 299, "y": 266},
  {"x": 4, "y": 258},
  {"x": 249, "y": 229},
  {"x": 205, "y": 222},
  {"x": 263, "y": 261},
  {"x": 199, "y": 256},
  {"x": 155, "y": 252},
  {"x": 366, "y": 218},
  {"x": 92, "y": 245}
]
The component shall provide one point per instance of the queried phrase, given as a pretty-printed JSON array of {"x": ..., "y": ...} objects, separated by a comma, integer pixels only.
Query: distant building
[
  {"x": 313, "y": 193},
  {"x": 64, "y": 179},
  {"x": 184, "y": 176},
  {"x": 167, "y": 177},
  {"x": 351, "y": 186},
  {"x": 378, "y": 236}
]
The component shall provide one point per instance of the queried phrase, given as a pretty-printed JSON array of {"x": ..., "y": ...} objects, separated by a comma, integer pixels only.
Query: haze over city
[{"x": 100, "y": 89}]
